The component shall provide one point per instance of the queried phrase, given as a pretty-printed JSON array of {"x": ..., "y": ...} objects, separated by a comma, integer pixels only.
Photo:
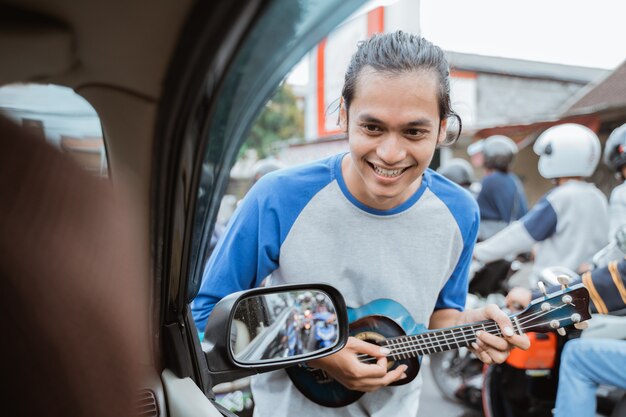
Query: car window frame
[{"x": 211, "y": 40}]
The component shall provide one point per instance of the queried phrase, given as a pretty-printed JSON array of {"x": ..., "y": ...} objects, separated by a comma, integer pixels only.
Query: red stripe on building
[
  {"x": 376, "y": 21},
  {"x": 463, "y": 74},
  {"x": 321, "y": 99}
]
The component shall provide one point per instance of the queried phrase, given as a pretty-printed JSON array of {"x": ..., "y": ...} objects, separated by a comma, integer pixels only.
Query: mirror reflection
[{"x": 281, "y": 325}]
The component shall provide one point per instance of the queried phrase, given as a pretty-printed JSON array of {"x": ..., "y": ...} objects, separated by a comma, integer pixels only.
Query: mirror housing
[{"x": 217, "y": 342}]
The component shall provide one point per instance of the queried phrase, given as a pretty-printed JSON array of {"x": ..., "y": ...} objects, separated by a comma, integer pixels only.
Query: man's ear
[
  {"x": 443, "y": 127},
  {"x": 343, "y": 115}
]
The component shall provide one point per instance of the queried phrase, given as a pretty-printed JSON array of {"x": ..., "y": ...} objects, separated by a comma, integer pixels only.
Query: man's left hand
[{"x": 488, "y": 347}]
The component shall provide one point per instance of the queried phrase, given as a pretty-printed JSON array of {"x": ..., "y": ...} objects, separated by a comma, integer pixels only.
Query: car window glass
[
  {"x": 282, "y": 35},
  {"x": 62, "y": 118}
]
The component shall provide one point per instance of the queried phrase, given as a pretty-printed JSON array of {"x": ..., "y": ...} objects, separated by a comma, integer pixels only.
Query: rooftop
[{"x": 524, "y": 68}]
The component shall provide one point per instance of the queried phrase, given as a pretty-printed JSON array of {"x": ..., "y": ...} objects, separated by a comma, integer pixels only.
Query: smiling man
[{"x": 374, "y": 222}]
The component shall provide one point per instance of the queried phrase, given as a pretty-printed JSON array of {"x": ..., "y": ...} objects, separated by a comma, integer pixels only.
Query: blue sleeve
[
  {"x": 541, "y": 220},
  {"x": 249, "y": 249},
  {"x": 244, "y": 256},
  {"x": 465, "y": 211}
]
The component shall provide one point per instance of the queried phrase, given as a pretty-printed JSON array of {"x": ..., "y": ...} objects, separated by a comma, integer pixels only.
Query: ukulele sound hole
[{"x": 376, "y": 339}]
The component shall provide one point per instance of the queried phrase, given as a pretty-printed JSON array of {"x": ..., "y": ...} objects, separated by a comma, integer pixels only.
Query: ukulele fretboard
[{"x": 404, "y": 347}]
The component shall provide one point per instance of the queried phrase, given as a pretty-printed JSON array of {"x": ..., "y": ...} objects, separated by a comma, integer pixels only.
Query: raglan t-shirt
[{"x": 302, "y": 225}]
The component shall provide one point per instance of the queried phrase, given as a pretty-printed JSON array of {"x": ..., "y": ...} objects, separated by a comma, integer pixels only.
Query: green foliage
[{"x": 281, "y": 119}]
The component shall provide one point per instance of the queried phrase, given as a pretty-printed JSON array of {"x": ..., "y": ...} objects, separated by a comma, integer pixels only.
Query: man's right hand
[
  {"x": 518, "y": 298},
  {"x": 345, "y": 367}
]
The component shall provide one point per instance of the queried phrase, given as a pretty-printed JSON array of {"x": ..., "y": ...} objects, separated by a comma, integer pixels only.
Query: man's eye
[
  {"x": 415, "y": 132},
  {"x": 372, "y": 128}
]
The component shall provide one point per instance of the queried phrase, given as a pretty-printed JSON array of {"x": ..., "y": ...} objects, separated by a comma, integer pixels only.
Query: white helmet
[
  {"x": 567, "y": 150},
  {"x": 475, "y": 147}
]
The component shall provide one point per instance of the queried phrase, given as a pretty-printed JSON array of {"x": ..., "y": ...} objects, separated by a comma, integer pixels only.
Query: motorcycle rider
[
  {"x": 615, "y": 159},
  {"x": 569, "y": 223},
  {"x": 501, "y": 199},
  {"x": 475, "y": 152},
  {"x": 459, "y": 171}
]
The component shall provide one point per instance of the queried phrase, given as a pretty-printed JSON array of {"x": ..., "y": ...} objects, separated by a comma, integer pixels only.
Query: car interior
[{"x": 176, "y": 86}]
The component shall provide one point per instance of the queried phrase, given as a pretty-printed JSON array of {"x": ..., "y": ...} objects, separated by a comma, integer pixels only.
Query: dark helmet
[
  {"x": 615, "y": 149},
  {"x": 265, "y": 166},
  {"x": 459, "y": 171},
  {"x": 499, "y": 151}
]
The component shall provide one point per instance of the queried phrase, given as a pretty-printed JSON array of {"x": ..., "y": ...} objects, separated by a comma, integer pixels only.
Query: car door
[{"x": 230, "y": 58}]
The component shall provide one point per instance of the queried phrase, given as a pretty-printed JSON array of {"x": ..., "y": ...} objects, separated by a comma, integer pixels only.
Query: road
[{"x": 432, "y": 403}]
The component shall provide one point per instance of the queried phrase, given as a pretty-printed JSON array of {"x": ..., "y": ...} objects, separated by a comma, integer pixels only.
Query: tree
[{"x": 281, "y": 119}]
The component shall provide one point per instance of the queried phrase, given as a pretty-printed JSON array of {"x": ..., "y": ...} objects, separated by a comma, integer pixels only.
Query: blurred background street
[{"x": 432, "y": 403}]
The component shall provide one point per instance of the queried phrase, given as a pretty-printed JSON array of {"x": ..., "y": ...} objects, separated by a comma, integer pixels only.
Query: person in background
[
  {"x": 460, "y": 172},
  {"x": 475, "y": 152},
  {"x": 374, "y": 222},
  {"x": 264, "y": 166},
  {"x": 229, "y": 202},
  {"x": 569, "y": 224},
  {"x": 585, "y": 365},
  {"x": 615, "y": 158},
  {"x": 501, "y": 199}
]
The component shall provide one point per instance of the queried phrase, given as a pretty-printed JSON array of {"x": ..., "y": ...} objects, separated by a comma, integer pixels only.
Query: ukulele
[{"x": 388, "y": 324}]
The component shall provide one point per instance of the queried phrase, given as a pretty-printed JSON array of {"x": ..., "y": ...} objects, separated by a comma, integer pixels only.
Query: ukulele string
[
  {"x": 403, "y": 345},
  {"x": 463, "y": 333},
  {"x": 469, "y": 330}
]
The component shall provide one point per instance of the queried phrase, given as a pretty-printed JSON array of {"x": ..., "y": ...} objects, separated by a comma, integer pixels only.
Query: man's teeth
[{"x": 388, "y": 172}]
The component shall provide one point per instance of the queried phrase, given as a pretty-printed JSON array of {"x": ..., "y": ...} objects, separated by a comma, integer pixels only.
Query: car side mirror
[{"x": 268, "y": 328}]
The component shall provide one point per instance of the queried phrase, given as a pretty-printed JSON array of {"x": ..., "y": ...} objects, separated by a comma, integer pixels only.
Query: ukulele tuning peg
[
  {"x": 564, "y": 280},
  {"x": 561, "y": 331},
  {"x": 582, "y": 325},
  {"x": 542, "y": 288}
]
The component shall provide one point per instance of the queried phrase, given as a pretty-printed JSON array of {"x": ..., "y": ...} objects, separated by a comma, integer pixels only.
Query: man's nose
[{"x": 391, "y": 149}]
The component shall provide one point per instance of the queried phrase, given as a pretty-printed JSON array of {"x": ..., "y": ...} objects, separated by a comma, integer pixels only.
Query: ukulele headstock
[{"x": 553, "y": 312}]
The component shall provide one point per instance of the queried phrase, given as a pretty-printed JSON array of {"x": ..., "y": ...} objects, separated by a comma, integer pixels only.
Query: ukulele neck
[{"x": 404, "y": 347}]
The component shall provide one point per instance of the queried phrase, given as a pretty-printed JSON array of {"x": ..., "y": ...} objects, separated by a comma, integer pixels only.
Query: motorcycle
[{"x": 526, "y": 384}]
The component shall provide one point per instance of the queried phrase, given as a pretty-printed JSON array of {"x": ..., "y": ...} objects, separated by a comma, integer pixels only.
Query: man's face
[{"x": 393, "y": 129}]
